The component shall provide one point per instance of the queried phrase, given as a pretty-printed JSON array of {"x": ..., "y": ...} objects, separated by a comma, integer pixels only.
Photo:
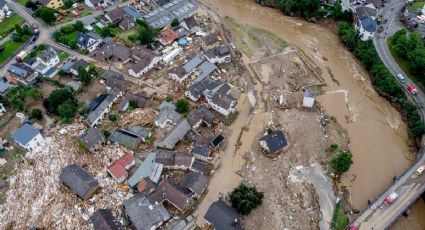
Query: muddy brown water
[{"x": 379, "y": 139}]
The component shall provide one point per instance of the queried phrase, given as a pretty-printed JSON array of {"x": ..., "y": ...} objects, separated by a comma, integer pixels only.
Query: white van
[{"x": 401, "y": 78}]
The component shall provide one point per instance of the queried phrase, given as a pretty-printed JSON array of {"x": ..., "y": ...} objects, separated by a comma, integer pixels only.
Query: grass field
[
  {"x": 9, "y": 23},
  {"x": 23, "y": 2},
  {"x": 63, "y": 55},
  {"x": 10, "y": 47},
  {"x": 415, "y": 6},
  {"x": 339, "y": 220},
  {"x": 403, "y": 64}
]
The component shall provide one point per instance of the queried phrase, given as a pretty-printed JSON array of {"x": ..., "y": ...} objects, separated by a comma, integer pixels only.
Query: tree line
[{"x": 382, "y": 79}]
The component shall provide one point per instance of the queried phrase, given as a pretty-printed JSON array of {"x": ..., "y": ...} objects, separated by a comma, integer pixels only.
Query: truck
[
  {"x": 21, "y": 55},
  {"x": 390, "y": 199}
]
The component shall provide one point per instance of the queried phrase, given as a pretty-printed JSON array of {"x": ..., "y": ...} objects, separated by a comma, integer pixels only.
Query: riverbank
[{"x": 379, "y": 139}]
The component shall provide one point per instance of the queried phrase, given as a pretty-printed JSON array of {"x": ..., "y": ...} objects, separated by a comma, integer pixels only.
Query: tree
[
  {"x": 133, "y": 104},
  {"x": 46, "y": 14},
  {"x": 79, "y": 26},
  {"x": 36, "y": 114},
  {"x": 68, "y": 4},
  {"x": 85, "y": 109},
  {"x": 67, "y": 109},
  {"x": 112, "y": 117},
  {"x": 146, "y": 36},
  {"x": 245, "y": 199},
  {"x": 168, "y": 98},
  {"x": 175, "y": 22},
  {"x": 58, "y": 97},
  {"x": 107, "y": 32},
  {"x": 342, "y": 161},
  {"x": 182, "y": 106},
  {"x": 84, "y": 76}
]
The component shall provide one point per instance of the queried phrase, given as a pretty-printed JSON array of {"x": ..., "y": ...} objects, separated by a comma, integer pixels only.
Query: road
[{"x": 409, "y": 186}]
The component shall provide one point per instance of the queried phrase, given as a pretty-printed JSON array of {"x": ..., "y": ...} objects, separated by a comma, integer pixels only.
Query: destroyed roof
[
  {"x": 139, "y": 131},
  {"x": 193, "y": 63},
  {"x": 25, "y": 134},
  {"x": 176, "y": 134},
  {"x": 366, "y": 11},
  {"x": 94, "y": 115},
  {"x": 125, "y": 138},
  {"x": 222, "y": 216},
  {"x": 146, "y": 185},
  {"x": 126, "y": 23},
  {"x": 191, "y": 22},
  {"x": 178, "y": 71},
  {"x": 92, "y": 137},
  {"x": 117, "y": 81},
  {"x": 202, "y": 150},
  {"x": 196, "y": 182},
  {"x": 166, "y": 114},
  {"x": 275, "y": 141},
  {"x": 206, "y": 68},
  {"x": 103, "y": 219},
  {"x": 168, "y": 35},
  {"x": 141, "y": 101},
  {"x": 201, "y": 114},
  {"x": 197, "y": 88},
  {"x": 219, "y": 51},
  {"x": 210, "y": 39},
  {"x": 223, "y": 88},
  {"x": 172, "y": 193},
  {"x": 111, "y": 74},
  {"x": 143, "y": 171},
  {"x": 144, "y": 214},
  {"x": 78, "y": 179},
  {"x": 47, "y": 54}
]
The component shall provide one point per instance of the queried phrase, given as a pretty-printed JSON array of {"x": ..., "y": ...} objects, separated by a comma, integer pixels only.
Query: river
[{"x": 379, "y": 139}]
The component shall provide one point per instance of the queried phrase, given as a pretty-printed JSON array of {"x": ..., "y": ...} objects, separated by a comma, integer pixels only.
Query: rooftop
[
  {"x": 275, "y": 141},
  {"x": 79, "y": 180},
  {"x": 25, "y": 134},
  {"x": 222, "y": 216}
]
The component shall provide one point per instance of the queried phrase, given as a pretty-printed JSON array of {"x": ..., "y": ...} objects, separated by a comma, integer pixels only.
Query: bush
[
  {"x": 169, "y": 98},
  {"x": 112, "y": 117},
  {"x": 175, "y": 22},
  {"x": 245, "y": 199},
  {"x": 342, "y": 161},
  {"x": 46, "y": 14},
  {"x": 36, "y": 114},
  {"x": 133, "y": 104},
  {"x": 182, "y": 106}
]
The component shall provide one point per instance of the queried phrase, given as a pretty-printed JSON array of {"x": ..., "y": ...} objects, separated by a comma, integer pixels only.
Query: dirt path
[{"x": 379, "y": 139}]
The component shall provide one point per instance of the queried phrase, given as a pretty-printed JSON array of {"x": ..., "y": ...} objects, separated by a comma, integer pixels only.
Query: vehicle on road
[
  {"x": 36, "y": 31},
  {"x": 75, "y": 14},
  {"x": 390, "y": 199},
  {"x": 352, "y": 227},
  {"x": 21, "y": 55},
  {"x": 420, "y": 170},
  {"x": 412, "y": 90},
  {"x": 401, "y": 78}
]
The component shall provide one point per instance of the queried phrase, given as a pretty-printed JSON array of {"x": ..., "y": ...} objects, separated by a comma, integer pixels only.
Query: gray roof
[
  {"x": 143, "y": 171},
  {"x": 141, "y": 101},
  {"x": 111, "y": 74},
  {"x": 132, "y": 12},
  {"x": 113, "y": 51},
  {"x": 210, "y": 39},
  {"x": 25, "y": 134},
  {"x": 103, "y": 105},
  {"x": 365, "y": 11},
  {"x": 176, "y": 134},
  {"x": 103, "y": 219},
  {"x": 84, "y": 38},
  {"x": 75, "y": 85},
  {"x": 369, "y": 24},
  {"x": 200, "y": 88},
  {"x": 48, "y": 54},
  {"x": 139, "y": 131},
  {"x": 199, "y": 166},
  {"x": 191, "y": 22},
  {"x": 193, "y": 63},
  {"x": 67, "y": 66},
  {"x": 196, "y": 182},
  {"x": 125, "y": 138},
  {"x": 144, "y": 214},
  {"x": 224, "y": 101},
  {"x": 116, "y": 14},
  {"x": 275, "y": 141},
  {"x": 4, "y": 86},
  {"x": 80, "y": 63},
  {"x": 206, "y": 68},
  {"x": 202, "y": 150},
  {"x": 163, "y": 15},
  {"x": 166, "y": 114},
  {"x": 166, "y": 105},
  {"x": 20, "y": 69},
  {"x": 201, "y": 114},
  {"x": 222, "y": 216},
  {"x": 79, "y": 180},
  {"x": 92, "y": 137},
  {"x": 219, "y": 51},
  {"x": 2, "y": 3}
]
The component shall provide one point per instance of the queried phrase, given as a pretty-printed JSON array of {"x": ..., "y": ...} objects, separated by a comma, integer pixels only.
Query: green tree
[
  {"x": 112, "y": 117},
  {"x": 46, "y": 14},
  {"x": 79, "y": 26},
  {"x": 36, "y": 114},
  {"x": 146, "y": 36},
  {"x": 342, "y": 161},
  {"x": 68, "y": 4},
  {"x": 175, "y": 22},
  {"x": 84, "y": 76},
  {"x": 67, "y": 109},
  {"x": 107, "y": 32},
  {"x": 182, "y": 106},
  {"x": 58, "y": 97},
  {"x": 133, "y": 104},
  {"x": 245, "y": 199},
  {"x": 84, "y": 110}
]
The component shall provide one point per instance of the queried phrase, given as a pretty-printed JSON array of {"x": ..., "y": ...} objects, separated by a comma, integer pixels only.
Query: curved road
[{"x": 409, "y": 186}]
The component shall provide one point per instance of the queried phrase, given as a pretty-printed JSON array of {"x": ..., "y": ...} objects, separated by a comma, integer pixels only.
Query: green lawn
[
  {"x": 9, "y": 23},
  {"x": 72, "y": 36},
  {"x": 414, "y": 6},
  {"x": 404, "y": 65},
  {"x": 339, "y": 219},
  {"x": 23, "y": 2},
  {"x": 63, "y": 55},
  {"x": 10, "y": 47}
]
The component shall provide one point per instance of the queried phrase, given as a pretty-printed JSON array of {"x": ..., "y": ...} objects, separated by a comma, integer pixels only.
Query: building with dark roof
[
  {"x": 209, "y": 40},
  {"x": 201, "y": 152},
  {"x": 191, "y": 25},
  {"x": 125, "y": 138},
  {"x": 103, "y": 219},
  {"x": 93, "y": 139},
  {"x": 273, "y": 142},
  {"x": 174, "y": 136},
  {"x": 223, "y": 217},
  {"x": 22, "y": 73},
  {"x": 144, "y": 60},
  {"x": 88, "y": 41},
  {"x": 79, "y": 181},
  {"x": 201, "y": 115},
  {"x": 113, "y": 52},
  {"x": 196, "y": 182},
  {"x": 177, "y": 196},
  {"x": 97, "y": 114},
  {"x": 218, "y": 54}
]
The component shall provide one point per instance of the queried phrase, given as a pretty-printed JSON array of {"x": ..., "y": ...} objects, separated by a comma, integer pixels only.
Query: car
[
  {"x": 401, "y": 78},
  {"x": 33, "y": 15},
  {"x": 412, "y": 90},
  {"x": 420, "y": 170}
]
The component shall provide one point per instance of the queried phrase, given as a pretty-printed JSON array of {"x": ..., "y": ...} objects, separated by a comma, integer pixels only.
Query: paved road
[{"x": 408, "y": 186}]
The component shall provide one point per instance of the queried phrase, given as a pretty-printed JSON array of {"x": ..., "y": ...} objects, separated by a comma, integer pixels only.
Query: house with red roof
[
  {"x": 118, "y": 169},
  {"x": 167, "y": 36}
]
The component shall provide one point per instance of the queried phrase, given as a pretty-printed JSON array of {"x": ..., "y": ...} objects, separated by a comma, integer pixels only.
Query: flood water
[{"x": 379, "y": 139}]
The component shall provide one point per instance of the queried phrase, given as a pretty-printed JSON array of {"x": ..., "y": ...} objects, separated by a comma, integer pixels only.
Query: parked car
[
  {"x": 401, "y": 78},
  {"x": 390, "y": 199},
  {"x": 412, "y": 90},
  {"x": 420, "y": 170}
]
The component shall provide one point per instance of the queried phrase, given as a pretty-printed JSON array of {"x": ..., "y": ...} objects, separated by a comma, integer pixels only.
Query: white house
[
  {"x": 138, "y": 69},
  {"x": 28, "y": 137},
  {"x": 222, "y": 103},
  {"x": 218, "y": 55},
  {"x": 97, "y": 4},
  {"x": 88, "y": 41},
  {"x": 4, "y": 10},
  {"x": 365, "y": 22},
  {"x": 174, "y": 53},
  {"x": 46, "y": 60},
  {"x": 104, "y": 107}
]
